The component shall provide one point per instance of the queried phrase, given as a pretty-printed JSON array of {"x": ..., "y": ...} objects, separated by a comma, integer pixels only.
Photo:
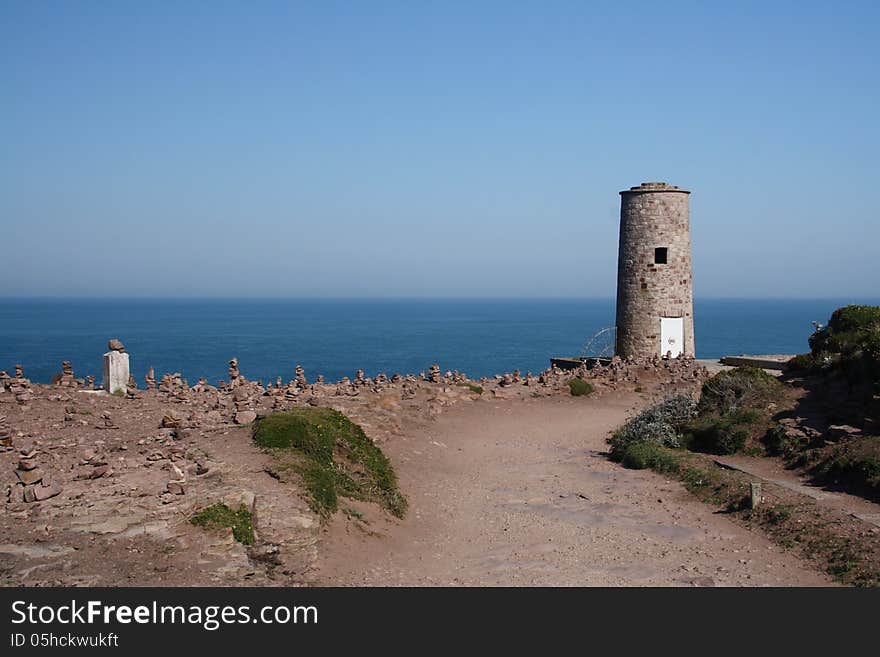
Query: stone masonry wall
[{"x": 653, "y": 215}]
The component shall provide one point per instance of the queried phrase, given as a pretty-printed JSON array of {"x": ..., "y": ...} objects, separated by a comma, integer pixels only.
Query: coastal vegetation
[
  {"x": 661, "y": 438},
  {"x": 473, "y": 387},
  {"x": 219, "y": 516},
  {"x": 333, "y": 458},
  {"x": 848, "y": 346},
  {"x": 842, "y": 374},
  {"x": 579, "y": 387},
  {"x": 658, "y": 425},
  {"x": 735, "y": 410},
  {"x": 744, "y": 409}
]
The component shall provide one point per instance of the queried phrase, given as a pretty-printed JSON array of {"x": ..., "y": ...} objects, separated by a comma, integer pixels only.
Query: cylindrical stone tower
[{"x": 655, "y": 308}]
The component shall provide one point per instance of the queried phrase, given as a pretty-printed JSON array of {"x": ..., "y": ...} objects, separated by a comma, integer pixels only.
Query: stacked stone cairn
[
  {"x": 5, "y": 435},
  {"x": 434, "y": 374},
  {"x": 21, "y": 387},
  {"x": 300, "y": 378},
  {"x": 35, "y": 485},
  {"x": 244, "y": 414},
  {"x": 66, "y": 379},
  {"x": 347, "y": 387},
  {"x": 131, "y": 387},
  {"x": 4, "y": 381},
  {"x": 90, "y": 382},
  {"x": 291, "y": 392},
  {"x": 150, "y": 379},
  {"x": 278, "y": 396},
  {"x": 234, "y": 374}
]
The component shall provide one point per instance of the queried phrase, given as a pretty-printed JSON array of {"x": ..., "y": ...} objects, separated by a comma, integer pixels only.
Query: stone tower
[{"x": 655, "y": 308}]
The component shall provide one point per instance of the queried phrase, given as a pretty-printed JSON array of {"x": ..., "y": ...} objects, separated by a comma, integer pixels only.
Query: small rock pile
[
  {"x": 347, "y": 387},
  {"x": 5, "y": 435},
  {"x": 301, "y": 381},
  {"x": 434, "y": 374},
  {"x": 34, "y": 484},
  {"x": 203, "y": 386},
  {"x": 21, "y": 387},
  {"x": 234, "y": 374},
  {"x": 66, "y": 379},
  {"x": 150, "y": 379},
  {"x": 244, "y": 413},
  {"x": 93, "y": 466},
  {"x": 175, "y": 386}
]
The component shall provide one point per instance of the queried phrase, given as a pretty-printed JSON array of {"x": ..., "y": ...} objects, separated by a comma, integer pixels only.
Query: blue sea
[{"x": 336, "y": 337}]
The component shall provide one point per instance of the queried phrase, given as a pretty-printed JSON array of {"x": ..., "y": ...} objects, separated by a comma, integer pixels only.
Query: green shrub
[
  {"x": 218, "y": 516},
  {"x": 579, "y": 388},
  {"x": 731, "y": 403},
  {"x": 803, "y": 363},
  {"x": 780, "y": 442},
  {"x": 660, "y": 425},
  {"x": 739, "y": 388},
  {"x": 845, "y": 324},
  {"x": 335, "y": 457},
  {"x": 850, "y": 343},
  {"x": 639, "y": 456},
  {"x": 724, "y": 435},
  {"x": 854, "y": 465},
  {"x": 473, "y": 387}
]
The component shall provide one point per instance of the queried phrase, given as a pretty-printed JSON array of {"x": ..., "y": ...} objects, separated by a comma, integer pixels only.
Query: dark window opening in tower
[{"x": 660, "y": 255}]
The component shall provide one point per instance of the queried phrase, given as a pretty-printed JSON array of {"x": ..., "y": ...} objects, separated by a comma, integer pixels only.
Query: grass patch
[
  {"x": 779, "y": 514},
  {"x": 579, "y": 388},
  {"x": 218, "y": 516},
  {"x": 639, "y": 456},
  {"x": 354, "y": 514},
  {"x": 334, "y": 458},
  {"x": 473, "y": 387}
]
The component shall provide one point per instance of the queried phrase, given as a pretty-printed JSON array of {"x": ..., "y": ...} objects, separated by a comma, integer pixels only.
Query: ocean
[{"x": 336, "y": 337}]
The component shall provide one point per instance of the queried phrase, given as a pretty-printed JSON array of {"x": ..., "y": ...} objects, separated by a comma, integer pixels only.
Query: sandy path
[{"x": 506, "y": 493}]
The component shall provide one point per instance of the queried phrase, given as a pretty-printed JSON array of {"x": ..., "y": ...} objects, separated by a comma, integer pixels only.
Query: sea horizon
[{"x": 196, "y": 336}]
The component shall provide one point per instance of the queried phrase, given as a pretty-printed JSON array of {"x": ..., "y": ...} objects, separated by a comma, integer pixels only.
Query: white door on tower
[{"x": 671, "y": 336}]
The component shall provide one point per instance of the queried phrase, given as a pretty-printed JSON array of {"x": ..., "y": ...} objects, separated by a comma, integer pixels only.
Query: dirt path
[{"x": 520, "y": 494}]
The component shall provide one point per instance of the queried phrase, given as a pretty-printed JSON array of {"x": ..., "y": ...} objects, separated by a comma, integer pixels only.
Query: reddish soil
[{"x": 523, "y": 494}]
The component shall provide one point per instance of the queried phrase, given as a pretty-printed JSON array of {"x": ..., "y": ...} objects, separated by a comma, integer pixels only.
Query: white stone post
[{"x": 116, "y": 371}]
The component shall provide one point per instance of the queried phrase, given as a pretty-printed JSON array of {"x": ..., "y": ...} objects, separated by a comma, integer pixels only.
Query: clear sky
[{"x": 432, "y": 148}]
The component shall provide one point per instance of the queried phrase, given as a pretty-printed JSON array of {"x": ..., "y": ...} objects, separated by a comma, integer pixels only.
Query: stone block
[{"x": 116, "y": 371}]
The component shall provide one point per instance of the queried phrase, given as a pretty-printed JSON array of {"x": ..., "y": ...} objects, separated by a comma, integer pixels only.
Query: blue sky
[{"x": 432, "y": 149}]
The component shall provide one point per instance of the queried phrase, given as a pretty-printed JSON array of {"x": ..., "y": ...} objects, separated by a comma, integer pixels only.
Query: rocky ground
[{"x": 506, "y": 478}]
